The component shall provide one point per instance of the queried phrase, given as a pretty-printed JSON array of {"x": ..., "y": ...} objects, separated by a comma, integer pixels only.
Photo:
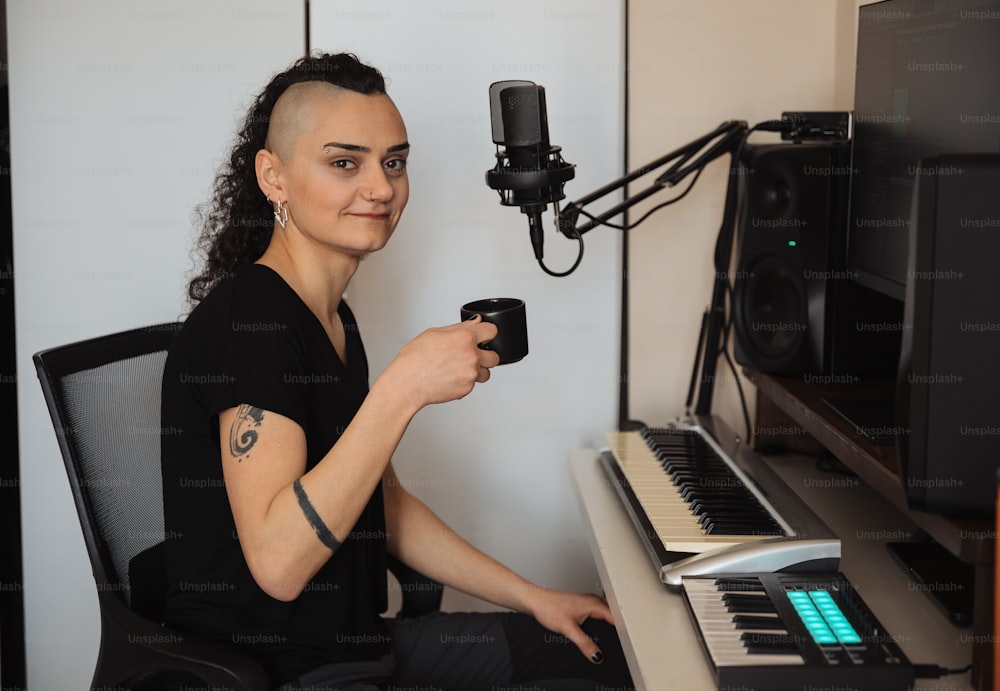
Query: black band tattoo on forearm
[
  {"x": 243, "y": 434},
  {"x": 322, "y": 532}
]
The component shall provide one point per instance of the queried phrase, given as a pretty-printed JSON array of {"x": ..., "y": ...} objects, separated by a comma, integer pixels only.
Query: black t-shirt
[{"x": 254, "y": 341}]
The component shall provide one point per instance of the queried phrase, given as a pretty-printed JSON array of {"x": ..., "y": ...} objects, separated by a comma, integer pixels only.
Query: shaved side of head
[{"x": 294, "y": 114}]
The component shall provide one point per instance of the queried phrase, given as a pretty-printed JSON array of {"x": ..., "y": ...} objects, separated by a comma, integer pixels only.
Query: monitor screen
[{"x": 927, "y": 82}]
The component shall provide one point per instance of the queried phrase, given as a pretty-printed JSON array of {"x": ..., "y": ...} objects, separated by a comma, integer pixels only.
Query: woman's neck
[{"x": 320, "y": 281}]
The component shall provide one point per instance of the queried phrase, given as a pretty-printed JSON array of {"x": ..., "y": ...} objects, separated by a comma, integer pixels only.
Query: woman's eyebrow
[{"x": 365, "y": 149}]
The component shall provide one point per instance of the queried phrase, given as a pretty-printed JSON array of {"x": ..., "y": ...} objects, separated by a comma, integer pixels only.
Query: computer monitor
[
  {"x": 921, "y": 230},
  {"x": 927, "y": 82}
]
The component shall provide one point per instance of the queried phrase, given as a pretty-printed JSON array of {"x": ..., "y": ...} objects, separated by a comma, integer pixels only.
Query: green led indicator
[{"x": 792, "y": 243}]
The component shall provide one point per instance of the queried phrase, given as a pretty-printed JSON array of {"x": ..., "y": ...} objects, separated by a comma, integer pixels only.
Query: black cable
[
  {"x": 727, "y": 330},
  {"x": 630, "y": 226},
  {"x": 670, "y": 201},
  {"x": 646, "y": 215},
  {"x": 937, "y": 671},
  {"x": 567, "y": 272}
]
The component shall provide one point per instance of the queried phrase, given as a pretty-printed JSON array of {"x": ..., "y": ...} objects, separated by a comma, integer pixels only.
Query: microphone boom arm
[{"x": 727, "y": 138}]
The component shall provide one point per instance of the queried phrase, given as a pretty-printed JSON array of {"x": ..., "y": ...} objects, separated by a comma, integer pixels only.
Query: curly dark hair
[{"x": 236, "y": 224}]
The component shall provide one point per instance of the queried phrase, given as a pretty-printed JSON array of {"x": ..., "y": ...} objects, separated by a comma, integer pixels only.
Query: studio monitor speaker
[
  {"x": 795, "y": 307},
  {"x": 949, "y": 370}
]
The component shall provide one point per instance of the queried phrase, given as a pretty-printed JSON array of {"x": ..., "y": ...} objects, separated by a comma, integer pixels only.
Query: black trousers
[{"x": 490, "y": 651}]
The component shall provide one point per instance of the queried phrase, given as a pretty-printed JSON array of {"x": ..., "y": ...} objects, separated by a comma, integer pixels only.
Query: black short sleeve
[
  {"x": 257, "y": 340},
  {"x": 252, "y": 340}
]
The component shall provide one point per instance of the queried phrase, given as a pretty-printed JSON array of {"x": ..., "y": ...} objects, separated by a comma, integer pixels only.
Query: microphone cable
[{"x": 574, "y": 234}]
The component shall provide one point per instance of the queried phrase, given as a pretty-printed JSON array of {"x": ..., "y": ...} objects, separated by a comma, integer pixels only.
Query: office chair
[{"x": 103, "y": 395}]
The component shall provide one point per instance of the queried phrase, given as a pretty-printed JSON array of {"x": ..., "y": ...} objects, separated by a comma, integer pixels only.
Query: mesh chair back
[{"x": 104, "y": 397}]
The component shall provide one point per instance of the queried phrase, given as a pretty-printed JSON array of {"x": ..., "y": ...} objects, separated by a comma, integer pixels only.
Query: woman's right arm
[{"x": 281, "y": 511}]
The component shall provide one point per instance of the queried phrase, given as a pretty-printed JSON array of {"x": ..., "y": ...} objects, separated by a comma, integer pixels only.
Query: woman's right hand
[{"x": 444, "y": 363}]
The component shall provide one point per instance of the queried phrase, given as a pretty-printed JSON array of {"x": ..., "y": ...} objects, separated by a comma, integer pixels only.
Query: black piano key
[
  {"x": 676, "y": 445},
  {"x": 725, "y": 505},
  {"x": 744, "y": 603},
  {"x": 735, "y": 528},
  {"x": 685, "y": 457},
  {"x": 770, "y": 643},
  {"x": 750, "y": 621},
  {"x": 691, "y": 491},
  {"x": 708, "y": 523},
  {"x": 709, "y": 485},
  {"x": 730, "y": 514},
  {"x": 717, "y": 469},
  {"x": 731, "y": 521},
  {"x": 686, "y": 451},
  {"x": 735, "y": 584},
  {"x": 709, "y": 499},
  {"x": 713, "y": 492},
  {"x": 717, "y": 481},
  {"x": 736, "y": 521},
  {"x": 722, "y": 504},
  {"x": 693, "y": 444}
]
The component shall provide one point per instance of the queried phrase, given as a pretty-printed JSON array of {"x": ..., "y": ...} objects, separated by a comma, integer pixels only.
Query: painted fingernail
[{"x": 597, "y": 658}]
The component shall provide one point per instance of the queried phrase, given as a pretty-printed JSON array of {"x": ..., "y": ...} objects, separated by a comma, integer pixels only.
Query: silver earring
[{"x": 280, "y": 213}]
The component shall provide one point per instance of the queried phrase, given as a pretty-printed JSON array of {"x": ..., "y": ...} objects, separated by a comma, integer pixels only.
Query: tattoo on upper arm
[
  {"x": 243, "y": 434},
  {"x": 322, "y": 532}
]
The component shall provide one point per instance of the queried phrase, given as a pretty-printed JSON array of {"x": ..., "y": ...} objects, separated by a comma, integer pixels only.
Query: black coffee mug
[{"x": 511, "y": 342}]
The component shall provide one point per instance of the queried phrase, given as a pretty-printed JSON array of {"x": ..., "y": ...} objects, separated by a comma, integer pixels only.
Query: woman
[{"x": 281, "y": 501}]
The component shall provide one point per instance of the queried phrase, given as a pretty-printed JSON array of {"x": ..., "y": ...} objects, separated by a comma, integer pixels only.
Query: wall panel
[{"x": 120, "y": 112}]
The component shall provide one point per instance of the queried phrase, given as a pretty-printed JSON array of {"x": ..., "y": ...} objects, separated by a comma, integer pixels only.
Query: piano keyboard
[
  {"x": 688, "y": 494},
  {"x": 792, "y": 631}
]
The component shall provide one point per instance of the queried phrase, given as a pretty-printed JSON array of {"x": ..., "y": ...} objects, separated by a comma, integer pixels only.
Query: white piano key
[{"x": 661, "y": 501}]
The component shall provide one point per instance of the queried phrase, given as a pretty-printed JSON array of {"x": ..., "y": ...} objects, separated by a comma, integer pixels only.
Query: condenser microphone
[{"x": 530, "y": 173}]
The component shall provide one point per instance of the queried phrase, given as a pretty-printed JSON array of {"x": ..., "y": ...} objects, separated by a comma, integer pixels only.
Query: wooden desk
[{"x": 658, "y": 636}]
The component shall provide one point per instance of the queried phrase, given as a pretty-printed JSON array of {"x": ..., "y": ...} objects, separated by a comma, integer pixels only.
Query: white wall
[
  {"x": 120, "y": 112},
  {"x": 494, "y": 464},
  {"x": 693, "y": 65}
]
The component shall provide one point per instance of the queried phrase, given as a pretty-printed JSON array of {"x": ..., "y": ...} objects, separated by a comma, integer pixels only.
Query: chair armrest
[{"x": 131, "y": 645}]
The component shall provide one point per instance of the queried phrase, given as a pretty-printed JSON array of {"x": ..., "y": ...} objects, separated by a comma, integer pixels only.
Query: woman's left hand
[{"x": 563, "y": 612}]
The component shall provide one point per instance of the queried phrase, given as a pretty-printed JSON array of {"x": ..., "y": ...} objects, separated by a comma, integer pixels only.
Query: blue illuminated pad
[{"x": 822, "y": 617}]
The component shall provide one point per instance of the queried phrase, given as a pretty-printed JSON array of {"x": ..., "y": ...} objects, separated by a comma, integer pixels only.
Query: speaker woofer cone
[{"x": 772, "y": 310}]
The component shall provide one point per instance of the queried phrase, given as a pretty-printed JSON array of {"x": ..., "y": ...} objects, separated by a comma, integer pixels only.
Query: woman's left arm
[{"x": 418, "y": 538}]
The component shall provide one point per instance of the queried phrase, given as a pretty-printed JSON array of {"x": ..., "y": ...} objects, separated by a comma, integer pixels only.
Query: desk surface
[{"x": 658, "y": 636}]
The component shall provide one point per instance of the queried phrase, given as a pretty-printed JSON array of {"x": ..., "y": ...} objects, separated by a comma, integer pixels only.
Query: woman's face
[{"x": 343, "y": 170}]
